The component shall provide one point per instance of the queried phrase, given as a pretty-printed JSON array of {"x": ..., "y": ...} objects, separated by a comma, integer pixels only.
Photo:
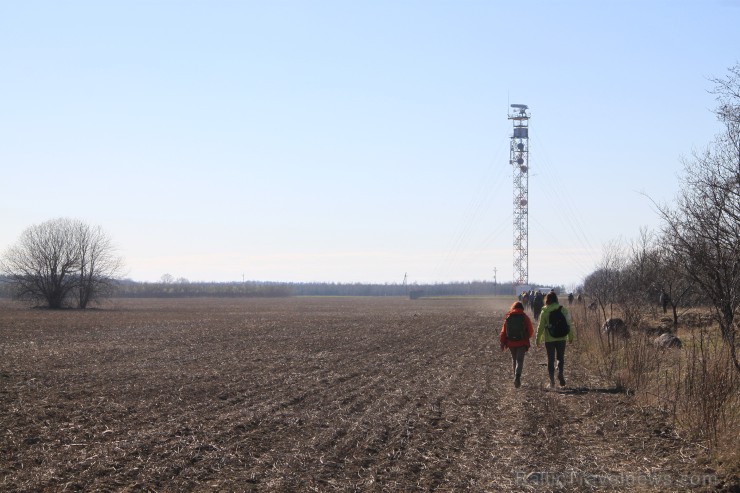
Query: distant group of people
[
  {"x": 554, "y": 326},
  {"x": 534, "y": 299}
]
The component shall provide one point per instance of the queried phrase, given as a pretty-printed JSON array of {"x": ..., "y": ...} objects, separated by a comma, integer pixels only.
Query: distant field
[{"x": 304, "y": 394}]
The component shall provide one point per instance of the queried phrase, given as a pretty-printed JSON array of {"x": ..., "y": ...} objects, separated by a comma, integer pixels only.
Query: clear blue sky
[{"x": 352, "y": 141}]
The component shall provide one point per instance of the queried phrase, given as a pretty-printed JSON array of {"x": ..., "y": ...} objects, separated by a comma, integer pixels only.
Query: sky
[{"x": 353, "y": 141}]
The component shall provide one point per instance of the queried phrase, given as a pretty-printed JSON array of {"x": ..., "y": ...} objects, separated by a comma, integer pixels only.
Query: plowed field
[{"x": 310, "y": 394}]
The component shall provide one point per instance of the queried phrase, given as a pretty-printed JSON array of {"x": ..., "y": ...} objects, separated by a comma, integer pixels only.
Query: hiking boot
[
  {"x": 562, "y": 380},
  {"x": 517, "y": 381}
]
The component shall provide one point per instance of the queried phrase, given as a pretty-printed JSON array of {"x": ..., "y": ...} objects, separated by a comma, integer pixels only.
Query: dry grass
[
  {"x": 697, "y": 385},
  {"x": 311, "y": 394}
]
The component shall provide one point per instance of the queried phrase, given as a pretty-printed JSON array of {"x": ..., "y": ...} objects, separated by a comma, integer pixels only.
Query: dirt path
[{"x": 310, "y": 395}]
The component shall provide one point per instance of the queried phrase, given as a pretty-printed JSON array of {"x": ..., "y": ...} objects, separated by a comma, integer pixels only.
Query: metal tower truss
[{"x": 519, "y": 160}]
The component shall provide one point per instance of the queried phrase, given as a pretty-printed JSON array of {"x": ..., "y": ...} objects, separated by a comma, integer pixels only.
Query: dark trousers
[
  {"x": 555, "y": 348},
  {"x": 517, "y": 357}
]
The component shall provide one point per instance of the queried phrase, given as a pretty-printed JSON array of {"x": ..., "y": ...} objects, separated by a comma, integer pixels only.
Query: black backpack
[
  {"x": 558, "y": 325},
  {"x": 515, "y": 329}
]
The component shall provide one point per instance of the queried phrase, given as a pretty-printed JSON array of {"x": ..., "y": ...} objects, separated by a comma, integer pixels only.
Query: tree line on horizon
[{"x": 128, "y": 288}]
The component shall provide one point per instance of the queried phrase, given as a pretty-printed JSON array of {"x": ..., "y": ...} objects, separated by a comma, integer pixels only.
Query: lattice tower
[{"x": 519, "y": 160}]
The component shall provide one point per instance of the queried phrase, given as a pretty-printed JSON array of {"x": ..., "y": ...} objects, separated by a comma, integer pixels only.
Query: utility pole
[{"x": 495, "y": 285}]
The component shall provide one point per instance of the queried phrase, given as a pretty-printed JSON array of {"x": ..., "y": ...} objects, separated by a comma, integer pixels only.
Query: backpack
[
  {"x": 515, "y": 329},
  {"x": 558, "y": 326}
]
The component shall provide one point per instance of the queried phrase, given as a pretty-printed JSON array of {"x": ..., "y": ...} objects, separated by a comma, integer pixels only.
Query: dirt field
[{"x": 311, "y": 394}]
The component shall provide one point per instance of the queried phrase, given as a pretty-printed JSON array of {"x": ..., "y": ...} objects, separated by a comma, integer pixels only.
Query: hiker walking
[
  {"x": 664, "y": 300},
  {"x": 525, "y": 299},
  {"x": 537, "y": 304},
  {"x": 515, "y": 335},
  {"x": 556, "y": 327}
]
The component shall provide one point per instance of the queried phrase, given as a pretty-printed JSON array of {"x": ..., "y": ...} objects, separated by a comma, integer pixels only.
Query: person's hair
[
  {"x": 551, "y": 298},
  {"x": 517, "y": 306}
]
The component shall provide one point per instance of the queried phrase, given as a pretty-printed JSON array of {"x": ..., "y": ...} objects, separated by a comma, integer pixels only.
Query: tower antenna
[{"x": 519, "y": 160}]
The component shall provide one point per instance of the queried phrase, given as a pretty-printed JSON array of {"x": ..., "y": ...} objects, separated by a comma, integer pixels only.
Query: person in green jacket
[{"x": 554, "y": 345}]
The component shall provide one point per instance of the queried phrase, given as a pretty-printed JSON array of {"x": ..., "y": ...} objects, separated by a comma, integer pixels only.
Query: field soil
[{"x": 312, "y": 394}]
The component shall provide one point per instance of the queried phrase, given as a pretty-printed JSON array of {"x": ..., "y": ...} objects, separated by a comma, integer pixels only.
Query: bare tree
[
  {"x": 605, "y": 284},
  {"x": 641, "y": 269},
  {"x": 702, "y": 230},
  {"x": 61, "y": 262},
  {"x": 671, "y": 279},
  {"x": 652, "y": 271},
  {"x": 98, "y": 265},
  {"x": 727, "y": 91}
]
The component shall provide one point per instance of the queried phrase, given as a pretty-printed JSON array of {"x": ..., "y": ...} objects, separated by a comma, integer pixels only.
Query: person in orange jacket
[{"x": 515, "y": 335}]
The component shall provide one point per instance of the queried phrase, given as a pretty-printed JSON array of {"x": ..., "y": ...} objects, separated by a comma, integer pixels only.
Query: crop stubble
[{"x": 299, "y": 394}]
